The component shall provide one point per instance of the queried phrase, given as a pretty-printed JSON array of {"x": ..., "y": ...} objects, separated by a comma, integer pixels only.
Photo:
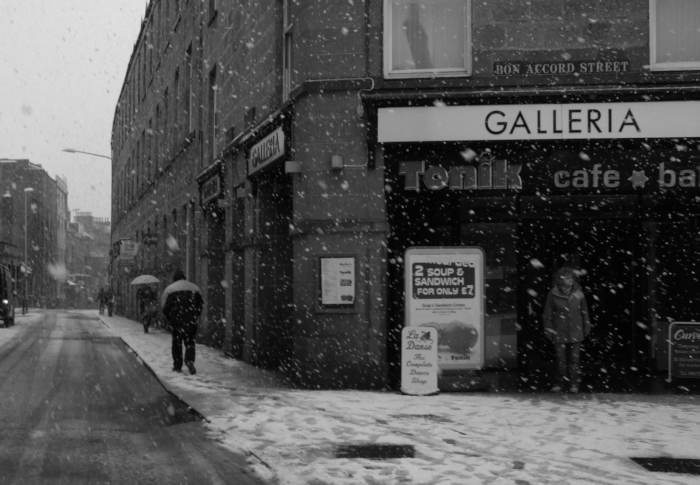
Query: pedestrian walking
[
  {"x": 182, "y": 304},
  {"x": 101, "y": 300},
  {"x": 148, "y": 303},
  {"x": 566, "y": 323},
  {"x": 109, "y": 300}
]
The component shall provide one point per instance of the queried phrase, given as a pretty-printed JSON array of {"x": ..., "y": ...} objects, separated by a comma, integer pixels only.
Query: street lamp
[
  {"x": 73, "y": 150},
  {"x": 26, "y": 239}
]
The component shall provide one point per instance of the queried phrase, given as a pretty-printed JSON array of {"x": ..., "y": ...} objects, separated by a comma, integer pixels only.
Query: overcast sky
[{"x": 62, "y": 64}]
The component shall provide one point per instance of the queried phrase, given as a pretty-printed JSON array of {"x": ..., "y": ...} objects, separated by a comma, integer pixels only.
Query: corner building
[{"x": 288, "y": 153}]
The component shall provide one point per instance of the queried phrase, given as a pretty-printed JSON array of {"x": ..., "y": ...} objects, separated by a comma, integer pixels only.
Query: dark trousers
[
  {"x": 568, "y": 363},
  {"x": 186, "y": 336}
]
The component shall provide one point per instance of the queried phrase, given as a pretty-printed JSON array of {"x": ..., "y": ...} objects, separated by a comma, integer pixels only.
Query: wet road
[{"x": 77, "y": 406}]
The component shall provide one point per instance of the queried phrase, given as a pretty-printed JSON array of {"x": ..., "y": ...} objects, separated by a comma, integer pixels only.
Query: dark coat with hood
[
  {"x": 566, "y": 319},
  {"x": 182, "y": 304}
]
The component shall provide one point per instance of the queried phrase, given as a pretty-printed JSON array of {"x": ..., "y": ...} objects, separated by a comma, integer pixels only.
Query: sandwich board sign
[{"x": 684, "y": 350}]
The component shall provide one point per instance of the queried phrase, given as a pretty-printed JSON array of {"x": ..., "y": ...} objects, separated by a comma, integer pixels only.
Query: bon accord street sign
[{"x": 664, "y": 119}]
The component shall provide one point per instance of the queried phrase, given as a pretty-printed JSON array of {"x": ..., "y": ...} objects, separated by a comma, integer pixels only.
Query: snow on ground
[
  {"x": 7, "y": 334},
  {"x": 291, "y": 435}
]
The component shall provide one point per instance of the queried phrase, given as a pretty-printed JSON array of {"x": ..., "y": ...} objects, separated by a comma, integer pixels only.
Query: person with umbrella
[
  {"x": 182, "y": 304},
  {"x": 147, "y": 298}
]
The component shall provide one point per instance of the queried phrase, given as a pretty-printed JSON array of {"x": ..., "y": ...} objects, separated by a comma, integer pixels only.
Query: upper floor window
[
  {"x": 427, "y": 38},
  {"x": 675, "y": 34}
]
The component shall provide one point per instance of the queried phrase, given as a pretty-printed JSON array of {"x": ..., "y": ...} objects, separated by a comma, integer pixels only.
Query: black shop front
[{"x": 602, "y": 188}]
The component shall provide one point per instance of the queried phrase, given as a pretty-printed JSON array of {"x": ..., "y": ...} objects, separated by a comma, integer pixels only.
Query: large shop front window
[
  {"x": 675, "y": 34},
  {"x": 427, "y": 38}
]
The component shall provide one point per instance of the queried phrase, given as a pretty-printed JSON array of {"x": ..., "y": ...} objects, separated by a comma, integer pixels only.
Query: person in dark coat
[
  {"x": 101, "y": 300},
  {"x": 182, "y": 304},
  {"x": 148, "y": 302},
  {"x": 109, "y": 300},
  {"x": 566, "y": 323}
]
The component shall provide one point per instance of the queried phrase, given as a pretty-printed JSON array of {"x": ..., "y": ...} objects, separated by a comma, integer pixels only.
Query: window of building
[
  {"x": 176, "y": 109},
  {"x": 212, "y": 119},
  {"x": 675, "y": 34},
  {"x": 287, "y": 50},
  {"x": 212, "y": 10},
  {"x": 188, "y": 90},
  {"x": 164, "y": 126},
  {"x": 156, "y": 139},
  {"x": 427, "y": 38}
]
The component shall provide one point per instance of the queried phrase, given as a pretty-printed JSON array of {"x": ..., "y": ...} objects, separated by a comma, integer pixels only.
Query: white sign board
[
  {"x": 663, "y": 119},
  {"x": 127, "y": 251},
  {"x": 266, "y": 151},
  {"x": 419, "y": 362},
  {"x": 445, "y": 291},
  {"x": 337, "y": 281}
]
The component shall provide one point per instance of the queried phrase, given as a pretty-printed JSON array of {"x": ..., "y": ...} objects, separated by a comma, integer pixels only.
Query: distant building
[
  {"x": 30, "y": 194},
  {"x": 87, "y": 247}
]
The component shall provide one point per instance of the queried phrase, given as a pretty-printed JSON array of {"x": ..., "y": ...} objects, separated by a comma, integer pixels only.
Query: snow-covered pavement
[{"x": 292, "y": 435}]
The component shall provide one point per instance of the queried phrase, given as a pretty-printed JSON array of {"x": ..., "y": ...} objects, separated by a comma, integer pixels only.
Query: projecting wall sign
[
  {"x": 265, "y": 152},
  {"x": 667, "y": 119}
]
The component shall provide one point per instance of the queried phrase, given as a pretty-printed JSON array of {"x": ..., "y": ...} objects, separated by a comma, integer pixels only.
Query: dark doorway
[
  {"x": 602, "y": 252},
  {"x": 216, "y": 297},
  {"x": 274, "y": 255}
]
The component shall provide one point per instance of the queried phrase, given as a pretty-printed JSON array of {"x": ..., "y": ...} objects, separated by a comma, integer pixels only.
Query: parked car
[{"x": 7, "y": 296}]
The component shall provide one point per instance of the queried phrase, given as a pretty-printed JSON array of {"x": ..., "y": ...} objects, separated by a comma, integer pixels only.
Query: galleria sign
[{"x": 580, "y": 121}]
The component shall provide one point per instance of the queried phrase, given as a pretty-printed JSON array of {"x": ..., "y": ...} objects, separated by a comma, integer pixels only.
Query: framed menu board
[{"x": 336, "y": 283}]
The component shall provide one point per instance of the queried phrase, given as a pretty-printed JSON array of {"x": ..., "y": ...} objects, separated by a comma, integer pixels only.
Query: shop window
[
  {"x": 499, "y": 243},
  {"x": 427, "y": 38},
  {"x": 675, "y": 34}
]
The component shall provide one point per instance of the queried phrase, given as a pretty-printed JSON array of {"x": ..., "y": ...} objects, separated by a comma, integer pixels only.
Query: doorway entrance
[{"x": 604, "y": 254}]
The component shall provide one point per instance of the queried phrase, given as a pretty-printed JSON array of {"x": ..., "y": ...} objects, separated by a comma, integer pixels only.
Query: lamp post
[
  {"x": 26, "y": 240},
  {"x": 73, "y": 150}
]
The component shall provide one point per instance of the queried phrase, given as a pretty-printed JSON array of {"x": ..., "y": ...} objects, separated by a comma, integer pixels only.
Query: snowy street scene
[{"x": 320, "y": 242}]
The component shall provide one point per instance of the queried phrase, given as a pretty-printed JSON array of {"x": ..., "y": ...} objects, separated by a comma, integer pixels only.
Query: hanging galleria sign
[
  {"x": 266, "y": 151},
  {"x": 668, "y": 119}
]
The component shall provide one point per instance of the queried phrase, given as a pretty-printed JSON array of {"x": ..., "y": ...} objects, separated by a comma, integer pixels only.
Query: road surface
[{"x": 77, "y": 406}]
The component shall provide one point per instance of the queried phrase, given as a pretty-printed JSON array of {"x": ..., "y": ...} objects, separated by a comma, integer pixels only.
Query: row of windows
[
  {"x": 422, "y": 38},
  {"x": 433, "y": 37}
]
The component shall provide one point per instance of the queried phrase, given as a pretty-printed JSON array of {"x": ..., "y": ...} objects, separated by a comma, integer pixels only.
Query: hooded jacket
[
  {"x": 182, "y": 303},
  {"x": 566, "y": 319}
]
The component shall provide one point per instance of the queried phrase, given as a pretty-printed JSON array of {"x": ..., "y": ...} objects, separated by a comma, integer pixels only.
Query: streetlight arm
[{"x": 71, "y": 150}]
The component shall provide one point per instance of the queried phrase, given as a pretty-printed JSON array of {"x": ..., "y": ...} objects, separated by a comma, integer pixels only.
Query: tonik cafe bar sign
[
  {"x": 667, "y": 119},
  {"x": 266, "y": 151}
]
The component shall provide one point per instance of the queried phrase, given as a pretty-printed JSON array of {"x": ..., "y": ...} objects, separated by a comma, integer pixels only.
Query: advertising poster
[
  {"x": 419, "y": 363},
  {"x": 127, "y": 251},
  {"x": 337, "y": 281},
  {"x": 684, "y": 350},
  {"x": 445, "y": 291}
]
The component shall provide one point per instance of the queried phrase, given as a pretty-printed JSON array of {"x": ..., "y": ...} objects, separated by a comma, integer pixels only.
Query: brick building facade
[
  {"x": 31, "y": 196},
  {"x": 266, "y": 147}
]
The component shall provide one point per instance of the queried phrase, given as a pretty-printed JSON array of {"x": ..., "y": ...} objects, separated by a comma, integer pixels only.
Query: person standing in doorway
[
  {"x": 182, "y": 304},
  {"x": 567, "y": 323}
]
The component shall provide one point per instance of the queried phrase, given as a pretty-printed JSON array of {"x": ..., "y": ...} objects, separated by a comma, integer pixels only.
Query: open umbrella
[{"x": 144, "y": 279}]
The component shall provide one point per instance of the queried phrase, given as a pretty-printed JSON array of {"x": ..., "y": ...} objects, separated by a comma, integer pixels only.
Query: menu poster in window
[
  {"x": 445, "y": 291},
  {"x": 338, "y": 281}
]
